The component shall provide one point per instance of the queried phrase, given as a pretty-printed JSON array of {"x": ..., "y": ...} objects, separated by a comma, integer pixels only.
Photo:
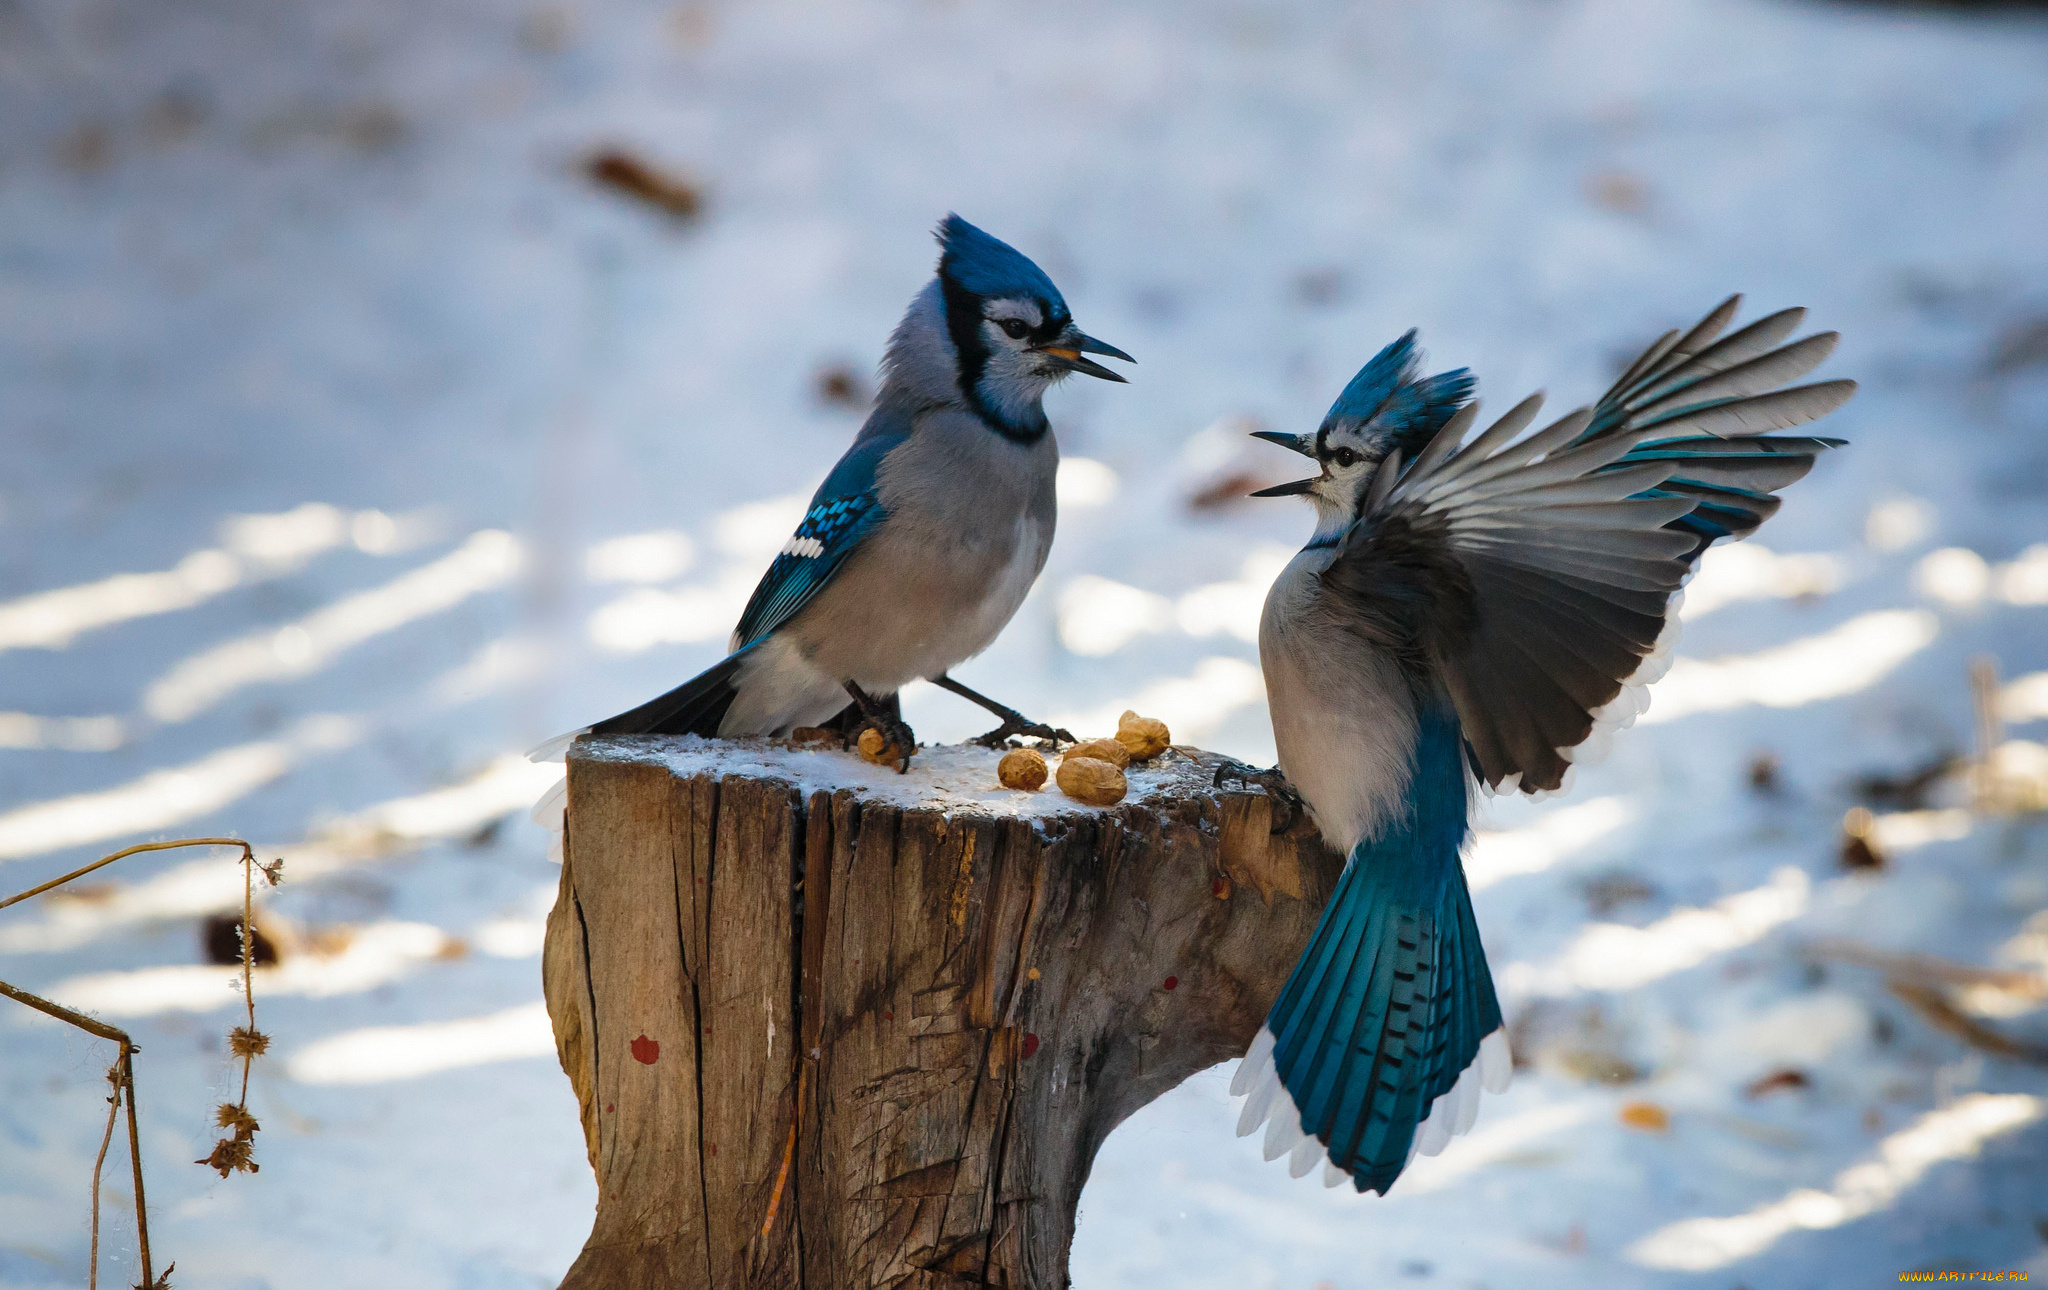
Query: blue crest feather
[
  {"x": 1386, "y": 372},
  {"x": 1408, "y": 411},
  {"x": 989, "y": 267}
]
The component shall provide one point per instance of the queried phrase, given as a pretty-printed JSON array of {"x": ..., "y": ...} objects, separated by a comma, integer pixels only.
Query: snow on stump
[{"x": 830, "y": 1026}]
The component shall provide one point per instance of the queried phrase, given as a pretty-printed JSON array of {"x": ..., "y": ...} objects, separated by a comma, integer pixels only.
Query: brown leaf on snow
[{"x": 1783, "y": 1078}]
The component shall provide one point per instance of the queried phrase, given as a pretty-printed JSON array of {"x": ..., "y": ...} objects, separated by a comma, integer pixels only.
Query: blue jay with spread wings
[
  {"x": 923, "y": 540},
  {"x": 1467, "y": 614}
]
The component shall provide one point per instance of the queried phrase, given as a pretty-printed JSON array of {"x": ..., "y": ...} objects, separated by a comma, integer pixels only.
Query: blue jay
[
  {"x": 924, "y": 539},
  {"x": 1486, "y": 613}
]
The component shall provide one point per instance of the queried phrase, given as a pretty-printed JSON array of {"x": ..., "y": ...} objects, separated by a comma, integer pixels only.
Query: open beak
[
  {"x": 1073, "y": 343},
  {"x": 1294, "y": 489},
  {"x": 1305, "y": 444}
]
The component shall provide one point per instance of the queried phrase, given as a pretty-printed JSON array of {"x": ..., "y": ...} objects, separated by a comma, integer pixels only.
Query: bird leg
[
  {"x": 1014, "y": 722},
  {"x": 1287, "y": 804},
  {"x": 852, "y": 719},
  {"x": 885, "y": 717}
]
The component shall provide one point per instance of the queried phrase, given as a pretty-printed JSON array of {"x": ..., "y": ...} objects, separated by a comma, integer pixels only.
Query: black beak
[
  {"x": 1073, "y": 343},
  {"x": 1294, "y": 489},
  {"x": 1305, "y": 444}
]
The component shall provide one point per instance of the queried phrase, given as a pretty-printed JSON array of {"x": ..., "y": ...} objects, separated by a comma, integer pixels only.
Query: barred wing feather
[{"x": 1538, "y": 575}]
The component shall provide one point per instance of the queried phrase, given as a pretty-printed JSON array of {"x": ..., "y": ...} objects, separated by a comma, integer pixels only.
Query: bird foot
[
  {"x": 1288, "y": 808},
  {"x": 886, "y": 740},
  {"x": 1015, "y": 724}
]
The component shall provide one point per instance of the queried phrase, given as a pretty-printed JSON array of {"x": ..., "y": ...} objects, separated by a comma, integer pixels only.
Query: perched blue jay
[
  {"x": 1485, "y": 613},
  {"x": 924, "y": 539}
]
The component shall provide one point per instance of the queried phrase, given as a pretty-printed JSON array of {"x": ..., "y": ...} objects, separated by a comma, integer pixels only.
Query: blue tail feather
[
  {"x": 1387, "y": 1007},
  {"x": 1322, "y": 1057}
]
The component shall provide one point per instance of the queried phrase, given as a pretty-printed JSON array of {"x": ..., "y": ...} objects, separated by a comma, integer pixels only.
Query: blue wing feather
[
  {"x": 1743, "y": 471},
  {"x": 843, "y": 511}
]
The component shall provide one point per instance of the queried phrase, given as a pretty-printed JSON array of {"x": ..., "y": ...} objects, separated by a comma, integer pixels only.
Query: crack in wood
[{"x": 684, "y": 939}]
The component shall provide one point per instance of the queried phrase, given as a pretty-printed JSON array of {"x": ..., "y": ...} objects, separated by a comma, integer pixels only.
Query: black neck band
[{"x": 970, "y": 348}]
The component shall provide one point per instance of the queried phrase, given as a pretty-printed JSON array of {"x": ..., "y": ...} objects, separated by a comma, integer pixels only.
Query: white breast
[
  {"x": 1006, "y": 591},
  {"x": 1343, "y": 720}
]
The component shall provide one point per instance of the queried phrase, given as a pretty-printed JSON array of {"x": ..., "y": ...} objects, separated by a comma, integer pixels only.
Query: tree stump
[{"x": 829, "y": 1026}]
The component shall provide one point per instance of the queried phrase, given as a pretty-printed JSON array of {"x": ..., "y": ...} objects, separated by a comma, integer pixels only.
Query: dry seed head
[
  {"x": 1091, "y": 780},
  {"x": 231, "y": 1155},
  {"x": 1108, "y": 750},
  {"x": 1145, "y": 737},
  {"x": 230, "y": 1116},
  {"x": 1022, "y": 768},
  {"x": 247, "y": 1041}
]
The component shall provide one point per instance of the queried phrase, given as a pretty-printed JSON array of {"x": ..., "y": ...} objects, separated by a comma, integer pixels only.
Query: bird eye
[
  {"x": 1014, "y": 328},
  {"x": 1344, "y": 457}
]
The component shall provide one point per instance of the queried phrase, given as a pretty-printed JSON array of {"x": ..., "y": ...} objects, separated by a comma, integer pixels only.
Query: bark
[{"x": 820, "y": 1038}]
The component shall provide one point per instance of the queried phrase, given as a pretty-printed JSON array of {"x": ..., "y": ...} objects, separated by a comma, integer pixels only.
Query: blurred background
[{"x": 387, "y": 386}]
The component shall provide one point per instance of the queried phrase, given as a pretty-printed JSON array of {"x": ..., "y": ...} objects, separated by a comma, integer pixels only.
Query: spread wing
[
  {"x": 1535, "y": 576},
  {"x": 1708, "y": 404},
  {"x": 842, "y": 513}
]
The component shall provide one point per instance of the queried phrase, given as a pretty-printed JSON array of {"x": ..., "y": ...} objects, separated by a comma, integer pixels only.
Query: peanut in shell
[
  {"x": 1108, "y": 750},
  {"x": 1143, "y": 737},
  {"x": 1022, "y": 768},
  {"x": 1092, "y": 781}
]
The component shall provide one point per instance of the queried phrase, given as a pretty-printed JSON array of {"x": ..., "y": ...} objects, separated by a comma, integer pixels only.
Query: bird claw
[
  {"x": 1015, "y": 725},
  {"x": 895, "y": 733},
  {"x": 1287, "y": 803}
]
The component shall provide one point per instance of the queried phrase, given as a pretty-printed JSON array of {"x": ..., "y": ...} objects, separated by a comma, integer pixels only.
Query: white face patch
[
  {"x": 1001, "y": 317},
  {"x": 1342, "y": 484},
  {"x": 1013, "y": 376},
  {"x": 1018, "y": 308},
  {"x": 1338, "y": 490}
]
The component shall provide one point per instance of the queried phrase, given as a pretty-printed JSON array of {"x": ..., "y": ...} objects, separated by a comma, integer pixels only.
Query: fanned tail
[
  {"x": 1388, "y": 1028},
  {"x": 1381, "y": 1041}
]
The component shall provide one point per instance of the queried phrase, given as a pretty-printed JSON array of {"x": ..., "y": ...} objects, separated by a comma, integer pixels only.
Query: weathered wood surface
[{"x": 822, "y": 1038}]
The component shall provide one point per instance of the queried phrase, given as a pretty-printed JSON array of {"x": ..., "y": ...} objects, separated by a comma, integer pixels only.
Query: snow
[
  {"x": 946, "y": 777},
  {"x": 354, "y": 443}
]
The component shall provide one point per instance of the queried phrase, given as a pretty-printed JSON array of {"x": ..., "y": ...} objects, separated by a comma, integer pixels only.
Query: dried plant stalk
[
  {"x": 237, "y": 1151},
  {"x": 246, "y": 1042},
  {"x": 92, "y": 1276}
]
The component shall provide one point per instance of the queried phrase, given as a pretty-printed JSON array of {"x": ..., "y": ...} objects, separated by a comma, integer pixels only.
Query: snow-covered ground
[{"x": 352, "y": 441}]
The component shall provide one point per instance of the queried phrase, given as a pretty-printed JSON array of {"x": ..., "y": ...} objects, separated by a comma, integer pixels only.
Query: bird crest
[
  {"x": 991, "y": 268},
  {"x": 1386, "y": 402}
]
